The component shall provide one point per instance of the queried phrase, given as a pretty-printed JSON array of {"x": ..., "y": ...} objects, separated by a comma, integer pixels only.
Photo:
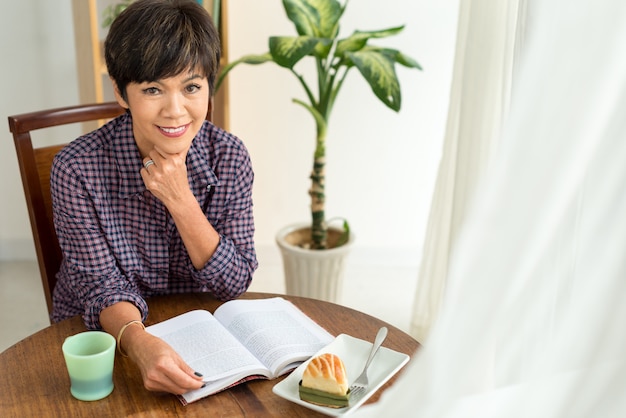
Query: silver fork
[{"x": 362, "y": 382}]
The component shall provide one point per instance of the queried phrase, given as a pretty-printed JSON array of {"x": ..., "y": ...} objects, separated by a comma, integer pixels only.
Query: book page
[
  {"x": 206, "y": 345},
  {"x": 279, "y": 334}
]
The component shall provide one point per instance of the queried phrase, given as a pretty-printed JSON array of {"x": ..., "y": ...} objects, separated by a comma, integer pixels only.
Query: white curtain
[
  {"x": 487, "y": 39},
  {"x": 534, "y": 319}
]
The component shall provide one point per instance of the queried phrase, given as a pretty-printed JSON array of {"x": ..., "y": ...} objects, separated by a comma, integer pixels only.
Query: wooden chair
[{"x": 35, "y": 166}]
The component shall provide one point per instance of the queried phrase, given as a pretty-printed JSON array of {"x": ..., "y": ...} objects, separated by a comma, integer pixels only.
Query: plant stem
[{"x": 317, "y": 192}]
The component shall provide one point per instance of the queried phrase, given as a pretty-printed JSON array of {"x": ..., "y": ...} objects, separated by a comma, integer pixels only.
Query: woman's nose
[{"x": 174, "y": 106}]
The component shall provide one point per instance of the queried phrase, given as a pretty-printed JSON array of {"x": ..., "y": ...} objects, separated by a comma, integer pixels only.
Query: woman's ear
[{"x": 119, "y": 96}]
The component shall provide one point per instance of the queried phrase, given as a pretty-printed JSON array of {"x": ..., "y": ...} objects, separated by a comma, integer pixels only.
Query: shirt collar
[{"x": 125, "y": 152}]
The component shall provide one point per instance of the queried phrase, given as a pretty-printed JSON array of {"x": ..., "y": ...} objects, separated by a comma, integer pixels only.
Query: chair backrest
[{"x": 35, "y": 166}]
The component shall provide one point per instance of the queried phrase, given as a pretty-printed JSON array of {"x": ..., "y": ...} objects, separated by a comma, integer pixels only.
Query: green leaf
[
  {"x": 303, "y": 15},
  {"x": 354, "y": 43},
  {"x": 322, "y": 49},
  {"x": 286, "y": 51},
  {"x": 378, "y": 69},
  {"x": 400, "y": 58},
  {"x": 247, "y": 59},
  {"x": 317, "y": 18},
  {"x": 345, "y": 235},
  {"x": 358, "y": 39}
]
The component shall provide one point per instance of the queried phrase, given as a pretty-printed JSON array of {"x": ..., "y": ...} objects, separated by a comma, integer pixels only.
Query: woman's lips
[{"x": 174, "y": 132}]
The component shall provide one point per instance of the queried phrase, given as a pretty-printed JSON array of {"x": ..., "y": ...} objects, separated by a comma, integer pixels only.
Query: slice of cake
[{"x": 324, "y": 382}]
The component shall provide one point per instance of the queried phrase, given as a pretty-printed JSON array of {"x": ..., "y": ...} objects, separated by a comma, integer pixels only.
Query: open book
[{"x": 244, "y": 339}]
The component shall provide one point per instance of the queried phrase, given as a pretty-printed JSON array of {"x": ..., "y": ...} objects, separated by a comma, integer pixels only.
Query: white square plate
[{"x": 353, "y": 352}]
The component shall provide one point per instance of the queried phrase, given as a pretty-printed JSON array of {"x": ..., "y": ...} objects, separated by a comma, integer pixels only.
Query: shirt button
[{"x": 208, "y": 188}]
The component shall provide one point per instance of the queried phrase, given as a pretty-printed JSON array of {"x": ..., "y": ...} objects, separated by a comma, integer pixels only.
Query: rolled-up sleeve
[{"x": 229, "y": 271}]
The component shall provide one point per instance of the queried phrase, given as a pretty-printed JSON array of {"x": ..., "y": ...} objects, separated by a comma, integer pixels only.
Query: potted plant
[{"x": 317, "y": 25}]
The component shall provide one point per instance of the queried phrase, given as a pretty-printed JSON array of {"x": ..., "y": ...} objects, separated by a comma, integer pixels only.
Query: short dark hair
[{"x": 155, "y": 39}]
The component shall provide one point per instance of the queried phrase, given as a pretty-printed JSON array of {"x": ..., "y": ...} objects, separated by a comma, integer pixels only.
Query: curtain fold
[
  {"x": 487, "y": 41},
  {"x": 534, "y": 319}
]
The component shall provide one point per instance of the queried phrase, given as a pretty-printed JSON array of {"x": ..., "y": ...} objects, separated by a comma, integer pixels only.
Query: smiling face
[{"x": 167, "y": 113}]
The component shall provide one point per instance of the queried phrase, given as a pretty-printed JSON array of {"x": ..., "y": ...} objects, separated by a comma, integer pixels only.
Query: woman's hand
[
  {"x": 161, "y": 367},
  {"x": 166, "y": 177}
]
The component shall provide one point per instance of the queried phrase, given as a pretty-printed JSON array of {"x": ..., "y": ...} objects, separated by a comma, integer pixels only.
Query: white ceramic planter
[{"x": 317, "y": 274}]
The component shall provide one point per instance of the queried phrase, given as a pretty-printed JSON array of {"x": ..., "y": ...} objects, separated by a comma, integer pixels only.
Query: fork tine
[
  {"x": 362, "y": 381},
  {"x": 356, "y": 390}
]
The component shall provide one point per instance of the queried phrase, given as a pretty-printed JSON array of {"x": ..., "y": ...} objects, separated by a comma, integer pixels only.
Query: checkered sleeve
[
  {"x": 229, "y": 271},
  {"x": 91, "y": 274}
]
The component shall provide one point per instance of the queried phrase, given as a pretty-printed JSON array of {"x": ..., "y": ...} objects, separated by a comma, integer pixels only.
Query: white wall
[
  {"x": 381, "y": 164},
  {"x": 38, "y": 71}
]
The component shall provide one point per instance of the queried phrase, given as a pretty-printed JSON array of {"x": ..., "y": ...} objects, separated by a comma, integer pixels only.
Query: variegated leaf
[
  {"x": 319, "y": 18},
  {"x": 358, "y": 39},
  {"x": 378, "y": 69},
  {"x": 247, "y": 59},
  {"x": 407, "y": 61},
  {"x": 286, "y": 51}
]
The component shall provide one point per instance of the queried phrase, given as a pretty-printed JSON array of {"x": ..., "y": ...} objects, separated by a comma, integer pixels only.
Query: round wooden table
[{"x": 35, "y": 381}]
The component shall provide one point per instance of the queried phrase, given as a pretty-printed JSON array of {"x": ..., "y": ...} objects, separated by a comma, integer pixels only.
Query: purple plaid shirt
[{"x": 119, "y": 242}]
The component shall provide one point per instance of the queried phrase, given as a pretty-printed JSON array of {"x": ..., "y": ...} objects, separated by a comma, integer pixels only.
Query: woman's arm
[
  {"x": 161, "y": 367},
  {"x": 167, "y": 180},
  {"x": 222, "y": 253},
  {"x": 90, "y": 278}
]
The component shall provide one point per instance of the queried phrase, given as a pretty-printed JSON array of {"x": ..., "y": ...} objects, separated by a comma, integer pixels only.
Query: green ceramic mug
[{"x": 89, "y": 357}]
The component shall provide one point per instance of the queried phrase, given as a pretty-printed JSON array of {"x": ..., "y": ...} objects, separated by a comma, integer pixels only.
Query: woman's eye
[
  {"x": 192, "y": 88},
  {"x": 151, "y": 91}
]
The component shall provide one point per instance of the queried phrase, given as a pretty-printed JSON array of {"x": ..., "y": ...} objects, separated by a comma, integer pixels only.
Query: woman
[{"x": 158, "y": 200}]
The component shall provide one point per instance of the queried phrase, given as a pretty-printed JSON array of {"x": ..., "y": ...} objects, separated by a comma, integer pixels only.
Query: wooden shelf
[{"x": 93, "y": 80}]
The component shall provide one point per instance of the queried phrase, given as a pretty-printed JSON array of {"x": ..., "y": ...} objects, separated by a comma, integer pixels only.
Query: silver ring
[{"x": 148, "y": 164}]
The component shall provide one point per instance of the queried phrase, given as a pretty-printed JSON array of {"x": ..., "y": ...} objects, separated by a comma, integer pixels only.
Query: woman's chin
[{"x": 173, "y": 147}]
